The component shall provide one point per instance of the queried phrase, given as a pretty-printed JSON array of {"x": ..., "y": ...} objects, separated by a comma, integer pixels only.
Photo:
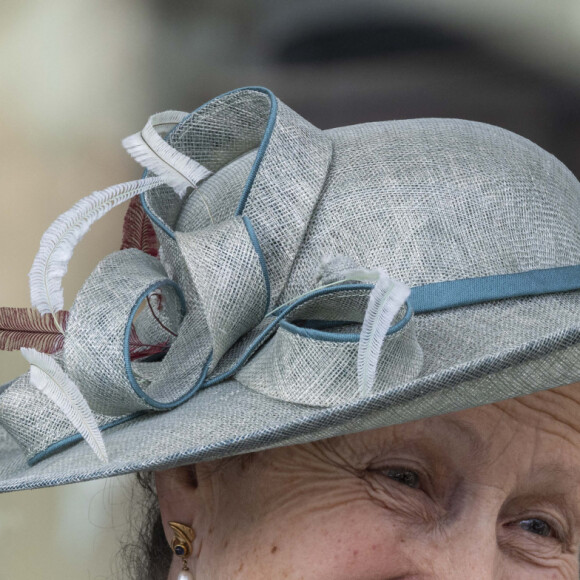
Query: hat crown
[{"x": 432, "y": 200}]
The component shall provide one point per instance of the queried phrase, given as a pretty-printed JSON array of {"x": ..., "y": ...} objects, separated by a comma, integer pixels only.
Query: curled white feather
[
  {"x": 151, "y": 151},
  {"x": 385, "y": 301},
  {"x": 49, "y": 378},
  {"x": 58, "y": 242}
]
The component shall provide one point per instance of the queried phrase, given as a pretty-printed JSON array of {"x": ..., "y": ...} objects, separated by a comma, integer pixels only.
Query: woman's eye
[
  {"x": 404, "y": 476},
  {"x": 537, "y": 526}
]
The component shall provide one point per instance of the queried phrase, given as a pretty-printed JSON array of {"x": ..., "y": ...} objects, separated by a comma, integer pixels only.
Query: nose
[{"x": 470, "y": 549}]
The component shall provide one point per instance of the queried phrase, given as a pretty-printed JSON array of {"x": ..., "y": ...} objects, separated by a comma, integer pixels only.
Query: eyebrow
[{"x": 553, "y": 473}]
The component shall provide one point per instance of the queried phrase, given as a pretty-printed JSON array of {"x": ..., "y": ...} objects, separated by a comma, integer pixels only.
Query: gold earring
[{"x": 182, "y": 547}]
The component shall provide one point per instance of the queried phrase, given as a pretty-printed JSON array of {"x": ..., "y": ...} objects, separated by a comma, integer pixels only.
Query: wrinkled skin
[{"x": 486, "y": 493}]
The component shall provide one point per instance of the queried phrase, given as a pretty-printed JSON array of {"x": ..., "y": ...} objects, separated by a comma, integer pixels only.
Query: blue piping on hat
[
  {"x": 126, "y": 353},
  {"x": 283, "y": 311},
  {"x": 153, "y": 217},
  {"x": 429, "y": 298},
  {"x": 263, "y": 145},
  {"x": 255, "y": 167},
  {"x": 256, "y": 243},
  {"x": 317, "y": 334},
  {"x": 441, "y": 296},
  {"x": 325, "y": 324},
  {"x": 58, "y": 445}
]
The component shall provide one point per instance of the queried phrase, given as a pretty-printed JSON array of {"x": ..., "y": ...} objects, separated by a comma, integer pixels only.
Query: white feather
[
  {"x": 151, "y": 151},
  {"x": 385, "y": 301},
  {"x": 48, "y": 377},
  {"x": 58, "y": 242}
]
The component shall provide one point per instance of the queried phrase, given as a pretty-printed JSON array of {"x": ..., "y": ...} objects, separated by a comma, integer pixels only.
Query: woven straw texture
[{"x": 427, "y": 200}]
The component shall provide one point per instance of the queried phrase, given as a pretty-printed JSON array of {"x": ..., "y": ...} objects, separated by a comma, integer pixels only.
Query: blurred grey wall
[
  {"x": 515, "y": 64},
  {"x": 76, "y": 76}
]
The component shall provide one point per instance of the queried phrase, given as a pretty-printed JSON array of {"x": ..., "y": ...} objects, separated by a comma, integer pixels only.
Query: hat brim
[{"x": 474, "y": 355}]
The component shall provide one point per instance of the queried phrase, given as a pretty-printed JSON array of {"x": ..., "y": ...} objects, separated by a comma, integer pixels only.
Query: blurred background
[{"x": 76, "y": 76}]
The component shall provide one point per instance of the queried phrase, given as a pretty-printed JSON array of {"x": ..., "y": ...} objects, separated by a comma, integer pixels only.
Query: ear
[{"x": 179, "y": 499}]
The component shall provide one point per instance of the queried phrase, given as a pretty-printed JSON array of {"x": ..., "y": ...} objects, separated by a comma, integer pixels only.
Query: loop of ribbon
[{"x": 207, "y": 300}]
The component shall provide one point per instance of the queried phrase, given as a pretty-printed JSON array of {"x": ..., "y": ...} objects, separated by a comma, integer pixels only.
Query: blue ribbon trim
[
  {"x": 279, "y": 315},
  {"x": 153, "y": 216},
  {"x": 255, "y": 167},
  {"x": 317, "y": 334},
  {"x": 444, "y": 295},
  {"x": 429, "y": 298},
  {"x": 263, "y": 145},
  {"x": 59, "y": 445},
  {"x": 435, "y": 297},
  {"x": 263, "y": 265},
  {"x": 126, "y": 351}
]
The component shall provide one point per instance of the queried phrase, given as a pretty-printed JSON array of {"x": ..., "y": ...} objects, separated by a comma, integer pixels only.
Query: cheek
[
  {"x": 338, "y": 534},
  {"x": 352, "y": 542}
]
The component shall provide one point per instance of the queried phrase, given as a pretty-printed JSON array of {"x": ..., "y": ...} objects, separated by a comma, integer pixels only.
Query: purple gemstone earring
[{"x": 182, "y": 547}]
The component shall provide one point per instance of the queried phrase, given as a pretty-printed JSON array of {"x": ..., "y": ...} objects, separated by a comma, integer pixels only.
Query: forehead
[
  {"x": 532, "y": 437},
  {"x": 554, "y": 413}
]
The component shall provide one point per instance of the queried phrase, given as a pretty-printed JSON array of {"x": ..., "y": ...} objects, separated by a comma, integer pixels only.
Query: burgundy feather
[
  {"x": 138, "y": 231},
  {"x": 139, "y": 350},
  {"x": 26, "y": 327}
]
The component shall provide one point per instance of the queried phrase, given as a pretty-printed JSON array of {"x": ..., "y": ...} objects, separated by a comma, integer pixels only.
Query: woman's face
[{"x": 487, "y": 493}]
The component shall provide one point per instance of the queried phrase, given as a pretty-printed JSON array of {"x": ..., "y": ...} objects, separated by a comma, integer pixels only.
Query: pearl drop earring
[{"x": 182, "y": 547}]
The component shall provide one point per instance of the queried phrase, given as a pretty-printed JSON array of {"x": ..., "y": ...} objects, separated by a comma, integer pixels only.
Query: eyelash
[
  {"x": 403, "y": 470},
  {"x": 532, "y": 521},
  {"x": 555, "y": 531}
]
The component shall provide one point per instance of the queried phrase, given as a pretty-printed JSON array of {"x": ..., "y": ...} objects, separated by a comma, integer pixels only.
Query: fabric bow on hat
[
  {"x": 159, "y": 320},
  {"x": 251, "y": 298}
]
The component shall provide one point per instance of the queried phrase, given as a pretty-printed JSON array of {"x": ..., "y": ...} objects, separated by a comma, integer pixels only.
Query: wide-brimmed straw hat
[{"x": 296, "y": 284}]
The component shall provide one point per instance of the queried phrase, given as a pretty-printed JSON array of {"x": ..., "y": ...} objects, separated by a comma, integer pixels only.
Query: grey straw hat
[{"x": 250, "y": 321}]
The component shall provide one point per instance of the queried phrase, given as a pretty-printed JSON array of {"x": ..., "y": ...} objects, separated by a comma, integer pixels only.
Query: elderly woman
[{"x": 346, "y": 354}]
